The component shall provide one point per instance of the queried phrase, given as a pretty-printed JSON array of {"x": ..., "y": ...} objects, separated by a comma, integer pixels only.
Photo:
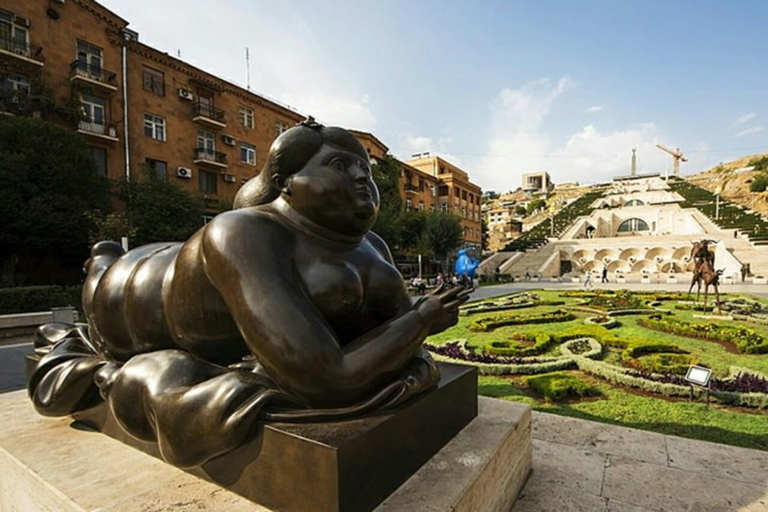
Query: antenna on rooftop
[
  {"x": 178, "y": 52},
  {"x": 248, "y": 67}
]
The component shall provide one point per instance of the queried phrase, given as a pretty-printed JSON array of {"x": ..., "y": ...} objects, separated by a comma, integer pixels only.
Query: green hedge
[
  {"x": 28, "y": 299},
  {"x": 542, "y": 343},
  {"x": 491, "y": 323},
  {"x": 556, "y": 387}
]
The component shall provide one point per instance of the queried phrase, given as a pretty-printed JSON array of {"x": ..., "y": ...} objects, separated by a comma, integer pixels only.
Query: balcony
[
  {"x": 22, "y": 50},
  {"x": 207, "y": 115},
  {"x": 209, "y": 157},
  {"x": 88, "y": 74},
  {"x": 102, "y": 130},
  {"x": 410, "y": 188}
]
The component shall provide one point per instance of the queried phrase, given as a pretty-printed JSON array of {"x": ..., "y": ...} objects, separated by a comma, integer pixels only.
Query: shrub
[
  {"x": 29, "y": 299},
  {"x": 556, "y": 387},
  {"x": 759, "y": 183}
]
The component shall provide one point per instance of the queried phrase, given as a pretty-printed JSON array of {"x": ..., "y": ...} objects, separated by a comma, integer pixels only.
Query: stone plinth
[{"x": 52, "y": 464}]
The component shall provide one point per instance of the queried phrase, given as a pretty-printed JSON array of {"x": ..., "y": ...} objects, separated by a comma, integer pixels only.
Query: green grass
[
  {"x": 619, "y": 407},
  {"x": 616, "y": 405}
]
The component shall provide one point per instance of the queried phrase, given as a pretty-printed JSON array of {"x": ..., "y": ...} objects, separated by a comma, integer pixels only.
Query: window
[
  {"x": 442, "y": 190},
  {"x": 154, "y": 127},
  {"x": 457, "y": 192},
  {"x": 247, "y": 153},
  {"x": 14, "y": 36},
  {"x": 280, "y": 127},
  {"x": 635, "y": 202},
  {"x": 246, "y": 117},
  {"x": 206, "y": 141},
  {"x": 154, "y": 81},
  {"x": 631, "y": 225},
  {"x": 421, "y": 206},
  {"x": 207, "y": 182},
  {"x": 100, "y": 159},
  {"x": 408, "y": 205},
  {"x": 16, "y": 83},
  {"x": 421, "y": 185},
  {"x": 89, "y": 57},
  {"x": 92, "y": 109},
  {"x": 157, "y": 168}
]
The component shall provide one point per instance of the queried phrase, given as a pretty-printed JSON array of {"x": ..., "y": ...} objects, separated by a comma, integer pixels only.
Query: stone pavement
[{"x": 581, "y": 465}]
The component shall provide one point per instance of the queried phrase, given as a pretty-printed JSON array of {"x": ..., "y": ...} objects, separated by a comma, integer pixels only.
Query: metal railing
[
  {"x": 98, "y": 127},
  {"x": 207, "y": 110},
  {"x": 410, "y": 187},
  {"x": 21, "y": 47},
  {"x": 210, "y": 156},
  {"x": 81, "y": 68}
]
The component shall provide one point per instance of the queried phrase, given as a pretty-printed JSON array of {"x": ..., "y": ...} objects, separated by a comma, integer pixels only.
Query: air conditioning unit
[
  {"x": 113, "y": 131},
  {"x": 229, "y": 141},
  {"x": 229, "y": 178},
  {"x": 186, "y": 94},
  {"x": 183, "y": 172}
]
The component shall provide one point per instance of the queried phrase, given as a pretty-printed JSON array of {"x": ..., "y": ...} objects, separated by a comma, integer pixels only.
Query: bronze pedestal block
[{"x": 339, "y": 466}]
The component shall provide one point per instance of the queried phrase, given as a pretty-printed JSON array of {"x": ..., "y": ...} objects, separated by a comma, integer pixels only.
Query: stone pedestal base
[{"x": 52, "y": 465}]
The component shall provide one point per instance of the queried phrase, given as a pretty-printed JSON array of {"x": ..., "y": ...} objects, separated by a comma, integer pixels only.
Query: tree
[
  {"x": 412, "y": 228},
  {"x": 443, "y": 233},
  {"x": 160, "y": 211},
  {"x": 386, "y": 174},
  {"x": 535, "y": 205},
  {"x": 520, "y": 210},
  {"x": 48, "y": 181},
  {"x": 759, "y": 183},
  {"x": 484, "y": 235}
]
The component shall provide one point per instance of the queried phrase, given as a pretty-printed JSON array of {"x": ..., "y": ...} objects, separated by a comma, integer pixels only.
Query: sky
[{"x": 499, "y": 88}]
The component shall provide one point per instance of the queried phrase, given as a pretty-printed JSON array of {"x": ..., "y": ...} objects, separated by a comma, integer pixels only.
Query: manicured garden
[{"x": 621, "y": 358}]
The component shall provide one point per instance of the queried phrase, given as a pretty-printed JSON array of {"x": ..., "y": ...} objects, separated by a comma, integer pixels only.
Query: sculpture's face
[{"x": 335, "y": 189}]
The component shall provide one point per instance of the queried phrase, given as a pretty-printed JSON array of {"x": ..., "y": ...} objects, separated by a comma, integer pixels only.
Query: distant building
[
  {"x": 503, "y": 226},
  {"x": 455, "y": 193},
  {"x": 537, "y": 182}
]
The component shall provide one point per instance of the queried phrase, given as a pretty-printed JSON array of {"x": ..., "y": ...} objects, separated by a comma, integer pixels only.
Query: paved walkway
[{"x": 586, "y": 466}]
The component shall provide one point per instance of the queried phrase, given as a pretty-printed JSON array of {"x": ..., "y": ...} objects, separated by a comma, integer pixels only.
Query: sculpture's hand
[{"x": 440, "y": 309}]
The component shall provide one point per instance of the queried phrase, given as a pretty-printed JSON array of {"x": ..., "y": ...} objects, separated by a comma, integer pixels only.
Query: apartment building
[
  {"x": 140, "y": 110},
  {"x": 454, "y": 192},
  {"x": 144, "y": 111}
]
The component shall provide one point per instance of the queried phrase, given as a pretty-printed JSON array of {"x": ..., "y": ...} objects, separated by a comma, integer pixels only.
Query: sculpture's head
[{"x": 323, "y": 173}]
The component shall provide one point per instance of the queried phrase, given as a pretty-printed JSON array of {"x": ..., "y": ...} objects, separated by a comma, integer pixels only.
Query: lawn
[{"x": 607, "y": 400}]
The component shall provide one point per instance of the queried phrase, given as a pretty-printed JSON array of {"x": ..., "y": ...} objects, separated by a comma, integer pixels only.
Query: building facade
[
  {"x": 140, "y": 110},
  {"x": 454, "y": 193}
]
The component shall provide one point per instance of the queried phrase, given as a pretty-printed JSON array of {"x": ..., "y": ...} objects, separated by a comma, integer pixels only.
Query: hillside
[{"x": 735, "y": 185}]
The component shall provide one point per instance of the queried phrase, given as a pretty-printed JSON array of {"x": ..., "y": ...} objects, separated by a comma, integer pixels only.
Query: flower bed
[{"x": 746, "y": 340}]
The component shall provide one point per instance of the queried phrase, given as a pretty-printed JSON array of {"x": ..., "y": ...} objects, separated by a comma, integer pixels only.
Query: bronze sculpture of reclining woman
[{"x": 286, "y": 308}]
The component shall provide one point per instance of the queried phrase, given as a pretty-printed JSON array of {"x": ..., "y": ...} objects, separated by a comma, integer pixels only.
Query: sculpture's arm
[{"x": 247, "y": 258}]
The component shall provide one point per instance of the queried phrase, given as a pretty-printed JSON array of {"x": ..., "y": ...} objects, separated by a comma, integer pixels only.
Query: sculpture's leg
[
  {"x": 706, "y": 292},
  {"x": 717, "y": 295}
]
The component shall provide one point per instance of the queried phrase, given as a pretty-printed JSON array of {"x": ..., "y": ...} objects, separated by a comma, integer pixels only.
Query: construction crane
[{"x": 677, "y": 157}]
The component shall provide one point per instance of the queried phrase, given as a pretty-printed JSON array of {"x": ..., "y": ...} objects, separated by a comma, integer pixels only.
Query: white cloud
[
  {"x": 411, "y": 145},
  {"x": 746, "y": 117},
  {"x": 748, "y": 131},
  {"x": 294, "y": 69},
  {"x": 519, "y": 144},
  {"x": 593, "y": 109}
]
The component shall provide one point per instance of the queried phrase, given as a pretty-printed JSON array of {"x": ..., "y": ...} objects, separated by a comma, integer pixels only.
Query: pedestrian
[
  {"x": 604, "y": 276},
  {"x": 588, "y": 280},
  {"x": 439, "y": 280},
  {"x": 527, "y": 276}
]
